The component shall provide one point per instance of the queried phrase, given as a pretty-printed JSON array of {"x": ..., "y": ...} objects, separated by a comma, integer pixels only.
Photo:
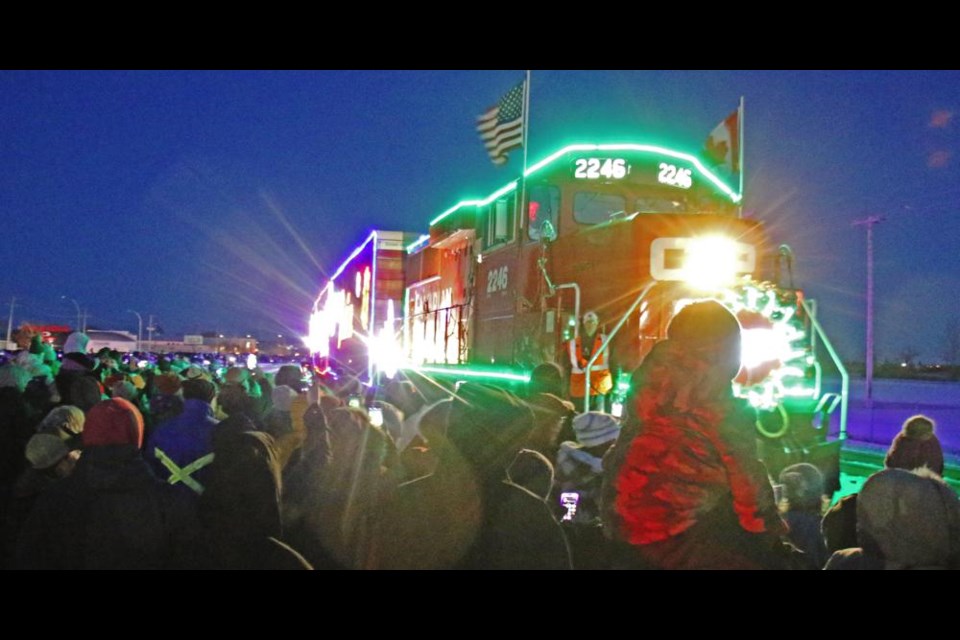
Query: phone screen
[
  {"x": 569, "y": 500},
  {"x": 376, "y": 416}
]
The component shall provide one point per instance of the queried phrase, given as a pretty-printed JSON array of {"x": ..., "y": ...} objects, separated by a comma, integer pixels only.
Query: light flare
[{"x": 710, "y": 262}]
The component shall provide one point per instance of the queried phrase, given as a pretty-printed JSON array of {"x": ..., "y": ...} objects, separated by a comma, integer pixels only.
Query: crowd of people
[{"x": 106, "y": 464}]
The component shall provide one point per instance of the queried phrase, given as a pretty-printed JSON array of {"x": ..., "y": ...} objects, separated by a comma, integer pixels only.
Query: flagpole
[
  {"x": 523, "y": 176},
  {"x": 526, "y": 121},
  {"x": 740, "y": 152}
]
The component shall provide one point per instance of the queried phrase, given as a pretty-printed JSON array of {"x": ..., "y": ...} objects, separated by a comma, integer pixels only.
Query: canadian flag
[{"x": 723, "y": 143}]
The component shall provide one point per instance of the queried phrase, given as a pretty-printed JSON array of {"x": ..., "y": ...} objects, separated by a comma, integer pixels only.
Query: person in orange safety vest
[{"x": 581, "y": 349}]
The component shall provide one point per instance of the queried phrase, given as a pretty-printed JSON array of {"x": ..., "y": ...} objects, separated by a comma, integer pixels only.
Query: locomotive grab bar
[{"x": 603, "y": 345}]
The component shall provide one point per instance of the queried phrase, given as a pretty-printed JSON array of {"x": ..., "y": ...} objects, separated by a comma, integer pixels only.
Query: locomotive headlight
[
  {"x": 710, "y": 262},
  {"x": 705, "y": 262}
]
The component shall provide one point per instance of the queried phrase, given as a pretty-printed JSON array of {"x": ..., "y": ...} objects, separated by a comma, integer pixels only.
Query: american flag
[{"x": 501, "y": 126}]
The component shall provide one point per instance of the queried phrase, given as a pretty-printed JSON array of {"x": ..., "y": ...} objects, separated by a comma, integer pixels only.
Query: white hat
[{"x": 595, "y": 428}]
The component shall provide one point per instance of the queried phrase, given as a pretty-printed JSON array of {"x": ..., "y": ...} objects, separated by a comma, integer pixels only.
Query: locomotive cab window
[
  {"x": 659, "y": 205},
  {"x": 543, "y": 208},
  {"x": 592, "y": 207},
  {"x": 500, "y": 221}
]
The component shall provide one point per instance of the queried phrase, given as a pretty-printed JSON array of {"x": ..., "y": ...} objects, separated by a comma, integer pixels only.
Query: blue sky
[{"x": 216, "y": 200}]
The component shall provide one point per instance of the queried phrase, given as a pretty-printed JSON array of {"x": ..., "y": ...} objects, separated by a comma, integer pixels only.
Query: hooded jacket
[
  {"x": 240, "y": 510},
  {"x": 111, "y": 513},
  {"x": 184, "y": 439},
  {"x": 905, "y": 520}
]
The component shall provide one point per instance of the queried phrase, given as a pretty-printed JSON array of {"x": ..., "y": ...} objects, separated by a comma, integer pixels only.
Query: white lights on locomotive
[{"x": 705, "y": 263}]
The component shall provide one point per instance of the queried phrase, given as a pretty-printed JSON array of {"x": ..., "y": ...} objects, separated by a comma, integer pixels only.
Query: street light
[
  {"x": 868, "y": 222},
  {"x": 150, "y": 329},
  {"x": 79, "y": 314},
  {"x": 139, "y": 327}
]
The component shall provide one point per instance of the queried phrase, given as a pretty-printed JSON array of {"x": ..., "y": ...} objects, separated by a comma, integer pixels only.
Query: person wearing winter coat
[
  {"x": 112, "y": 512},
  {"x": 683, "y": 487},
  {"x": 905, "y": 520}
]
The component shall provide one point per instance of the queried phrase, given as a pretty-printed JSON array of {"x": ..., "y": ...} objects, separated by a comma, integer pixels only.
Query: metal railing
[
  {"x": 610, "y": 336},
  {"x": 455, "y": 320},
  {"x": 826, "y": 404},
  {"x": 810, "y": 310}
]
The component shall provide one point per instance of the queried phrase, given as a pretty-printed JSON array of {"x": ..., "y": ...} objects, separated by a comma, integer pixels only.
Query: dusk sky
[{"x": 217, "y": 200}]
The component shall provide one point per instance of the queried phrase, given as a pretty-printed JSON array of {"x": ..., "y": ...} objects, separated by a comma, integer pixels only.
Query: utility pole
[
  {"x": 868, "y": 222},
  {"x": 150, "y": 329},
  {"x": 10, "y": 322},
  {"x": 139, "y": 329},
  {"x": 80, "y": 323}
]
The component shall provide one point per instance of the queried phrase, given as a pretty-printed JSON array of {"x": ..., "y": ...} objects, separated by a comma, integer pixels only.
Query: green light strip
[
  {"x": 476, "y": 203},
  {"x": 649, "y": 148},
  {"x": 472, "y": 373},
  {"x": 416, "y": 243}
]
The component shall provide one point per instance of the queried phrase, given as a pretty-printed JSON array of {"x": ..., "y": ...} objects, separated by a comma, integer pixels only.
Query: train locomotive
[{"x": 631, "y": 231}]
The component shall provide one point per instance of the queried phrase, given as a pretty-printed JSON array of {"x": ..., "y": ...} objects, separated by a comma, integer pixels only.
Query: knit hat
[
  {"x": 595, "y": 428},
  {"x": 167, "y": 383},
  {"x": 76, "y": 343},
  {"x": 916, "y": 446},
  {"x": 114, "y": 421},
  {"x": 802, "y": 486},
  {"x": 44, "y": 450},
  {"x": 64, "y": 421},
  {"x": 282, "y": 397}
]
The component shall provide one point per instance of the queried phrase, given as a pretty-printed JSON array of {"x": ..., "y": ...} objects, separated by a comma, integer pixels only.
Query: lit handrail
[
  {"x": 844, "y": 376},
  {"x": 603, "y": 345},
  {"x": 566, "y": 285}
]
